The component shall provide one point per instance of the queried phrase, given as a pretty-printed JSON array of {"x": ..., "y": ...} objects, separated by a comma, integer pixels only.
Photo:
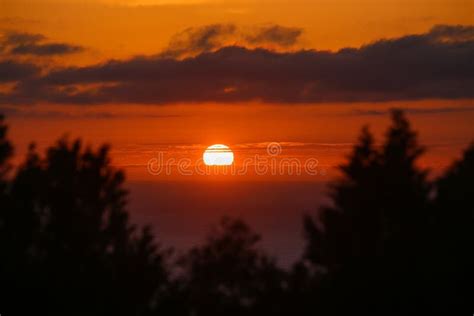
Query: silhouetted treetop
[
  {"x": 401, "y": 144},
  {"x": 6, "y": 148},
  {"x": 456, "y": 185},
  {"x": 229, "y": 274}
]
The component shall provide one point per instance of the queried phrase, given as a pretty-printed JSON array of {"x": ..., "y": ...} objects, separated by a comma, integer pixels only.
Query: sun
[{"x": 218, "y": 155}]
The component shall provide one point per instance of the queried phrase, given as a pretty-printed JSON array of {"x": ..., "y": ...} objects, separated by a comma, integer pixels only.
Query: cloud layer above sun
[{"x": 225, "y": 63}]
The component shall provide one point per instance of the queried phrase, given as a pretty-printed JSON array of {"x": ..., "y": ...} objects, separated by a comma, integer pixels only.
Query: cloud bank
[{"x": 434, "y": 65}]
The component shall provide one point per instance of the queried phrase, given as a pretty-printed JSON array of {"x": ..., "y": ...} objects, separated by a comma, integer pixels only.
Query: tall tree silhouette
[
  {"x": 348, "y": 225},
  {"x": 368, "y": 240},
  {"x": 67, "y": 244},
  {"x": 404, "y": 201},
  {"x": 405, "y": 188},
  {"x": 452, "y": 260},
  {"x": 6, "y": 149}
]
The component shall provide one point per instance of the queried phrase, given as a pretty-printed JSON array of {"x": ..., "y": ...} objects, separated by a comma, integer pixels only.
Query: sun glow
[{"x": 218, "y": 155}]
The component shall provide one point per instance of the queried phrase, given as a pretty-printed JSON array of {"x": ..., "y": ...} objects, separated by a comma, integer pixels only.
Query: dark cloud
[
  {"x": 453, "y": 33},
  {"x": 16, "y": 38},
  {"x": 45, "y": 49},
  {"x": 197, "y": 40},
  {"x": 275, "y": 34},
  {"x": 437, "y": 64},
  {"x": 28, "y": 112},
  {"x": 15, "y": 43},
  {"x": 436, "y": 110},
  {"x": 13, "y": 71}
]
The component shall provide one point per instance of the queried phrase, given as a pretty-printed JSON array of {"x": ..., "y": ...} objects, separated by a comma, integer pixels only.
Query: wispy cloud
[
  {"x": 197, "y": 40},
  {"x": 19, "y": 43}
]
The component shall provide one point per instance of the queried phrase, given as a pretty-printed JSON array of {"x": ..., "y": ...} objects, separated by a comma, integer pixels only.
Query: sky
[
  {"x": 177, "y": 76},
  {"x": 168, "y": 77}
]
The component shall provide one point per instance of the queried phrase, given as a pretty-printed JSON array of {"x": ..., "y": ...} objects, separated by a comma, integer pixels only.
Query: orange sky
[
  {"x": 122, "y": 29},
  {"x": 324, "y": 132}
]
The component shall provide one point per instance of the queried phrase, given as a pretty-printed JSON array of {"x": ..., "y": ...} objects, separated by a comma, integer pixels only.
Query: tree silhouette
[
  {"x": 452, "y": 260},
  {"x": 346, "y": 228},
  {"x": 366, "y": 243},
  {"x": 6, "y": 149},
  {"x": 67, "y": 244},
  {"x": 229, "y": 275}
]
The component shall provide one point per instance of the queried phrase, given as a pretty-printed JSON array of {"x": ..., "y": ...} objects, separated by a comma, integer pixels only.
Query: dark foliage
[
  {"x": 6, "y": 150},
  {"x": 452, "y": 261},
  {"x": 378, "y": 244},
  {"x": 229, "y": 275},
  {"x": 66, "y": 243}
]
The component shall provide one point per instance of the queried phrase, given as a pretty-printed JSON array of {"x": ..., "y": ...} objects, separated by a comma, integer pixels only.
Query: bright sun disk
[{"x": 218, "y": 155}]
